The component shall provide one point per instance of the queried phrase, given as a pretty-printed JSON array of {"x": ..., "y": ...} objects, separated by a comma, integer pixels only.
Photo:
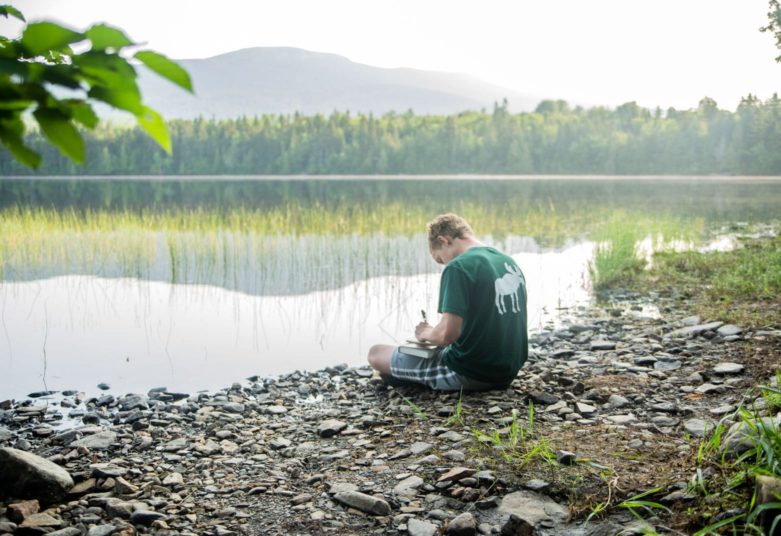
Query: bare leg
[{"x": 380, "y": 357}]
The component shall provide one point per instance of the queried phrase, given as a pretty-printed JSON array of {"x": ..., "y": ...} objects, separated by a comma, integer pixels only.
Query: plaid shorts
[{"x": 433, "y": 373}]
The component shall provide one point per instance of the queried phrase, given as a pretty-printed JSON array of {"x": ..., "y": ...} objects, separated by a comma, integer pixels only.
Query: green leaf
[
  {"x": 15, "y": 104},
  {"x": 165, "y": 68},
  {"x": 59, "y": 129},
  {"x": 41, "y": 37},
  {"x": 155, "y": 126},
  {"x": 11, "y": 132},
  {"x": 103, "y": 36},
  {"x": 11, "y": 10},
  {"x": 108, "y": 70},
  {"x": 124, "y": 99},
  {"x": 82, "y": 112}
]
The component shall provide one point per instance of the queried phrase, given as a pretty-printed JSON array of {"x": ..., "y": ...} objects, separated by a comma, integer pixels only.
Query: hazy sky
[{"x": 656, "y": 52}]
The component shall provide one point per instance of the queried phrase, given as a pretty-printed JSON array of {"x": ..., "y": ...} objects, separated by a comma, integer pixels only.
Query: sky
[{"x": 597, "y": 52}]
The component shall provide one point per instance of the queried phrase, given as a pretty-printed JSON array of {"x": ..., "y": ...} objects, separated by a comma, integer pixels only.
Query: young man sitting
[{"x": 482, "y": 332}]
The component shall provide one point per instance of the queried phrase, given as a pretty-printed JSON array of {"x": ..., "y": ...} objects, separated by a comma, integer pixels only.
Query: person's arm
[{"x": 444, "y": 333}]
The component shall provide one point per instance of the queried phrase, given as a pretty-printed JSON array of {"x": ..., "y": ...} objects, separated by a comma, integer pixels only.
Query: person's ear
[{"x": 443, "y": 240}]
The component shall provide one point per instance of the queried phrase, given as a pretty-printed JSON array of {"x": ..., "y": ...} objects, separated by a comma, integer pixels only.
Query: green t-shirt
[{"x": 487, "y": 289}]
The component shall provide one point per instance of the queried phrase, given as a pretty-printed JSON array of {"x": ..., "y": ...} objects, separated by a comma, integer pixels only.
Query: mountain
[{"x": 261, "y": 80}]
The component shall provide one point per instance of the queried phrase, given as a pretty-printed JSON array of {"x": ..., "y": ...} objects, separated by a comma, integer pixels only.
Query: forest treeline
[{"x": 554, "y": 139}]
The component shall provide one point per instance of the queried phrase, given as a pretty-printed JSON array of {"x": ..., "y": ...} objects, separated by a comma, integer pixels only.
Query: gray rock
[
  {"x": 743, "y": 436},
  {"x": 622, "y": 419},
  {"x": 209, "y": 448},
  {"x": 99, "y": 441},
  {"x": 691, "y": 321},
  {"x": 118, "y": 508},
  {"x": 175, "y": 445},
  {"x": 451, "y": 436},
  {"x": 340, "y": 487},
  {"x": 26, "y": 475},
  {"x": 618, "y": 401},
  {"x": 279, "y": 443},
  {"x": 420, "y": 447},
  {"x": 585, "y": 409},
  {"x": 174, "y": 479},
  {"x": 330, "y": 427},
  {"x": 537, "y": 485},
  {"x": 667, "y": 366},
  {"x": 462, "y": 525},
  {"x": 728, "y": 368},
  {"x": 562, "y": 354},
  {"x": 455, "y": 474},
  {"x": 690, "y": 331},
  {"x": 131, "y": 402},
  {"x": 40, "y": 521},
  {"x": 697, "y": 427},
  {"x": 101, "y": 530},
  {"x": 408, "y": 487},
  {"x": 234, "y": 407},
  {"x": 728, "y": 330},
  {"x": 533, "y": 507},
  {"x": 5, "y": 434},
  {"x": 516, "y": 526},
  {"x": 417, "y": 527},
  {"x": 601, "y": 345},
  {"x": 364, "y": 503},
  {"x": 541, "y": 397},
  {"x": 664, "y": 420},
  {"x": 565, "y": 457},
  {"x": 68, "y": 531},
  {"x": 709, "y": 388},
  {"x": 146, "y": 517}
]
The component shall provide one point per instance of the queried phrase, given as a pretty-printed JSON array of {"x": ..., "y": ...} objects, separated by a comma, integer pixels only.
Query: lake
[{"x": 196, "y": 283}]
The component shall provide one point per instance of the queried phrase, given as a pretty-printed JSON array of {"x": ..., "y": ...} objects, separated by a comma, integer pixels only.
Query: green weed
[
  {"x": 415, "y": 408},
  {"x": 457, "y": 418}
]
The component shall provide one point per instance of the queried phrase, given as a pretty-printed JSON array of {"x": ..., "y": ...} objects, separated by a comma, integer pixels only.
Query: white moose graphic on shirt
[{"x": 508, "y": 284}]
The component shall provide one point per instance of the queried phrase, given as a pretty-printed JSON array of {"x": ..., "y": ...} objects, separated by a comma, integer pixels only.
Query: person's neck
[{"x": 463, "y": 244}]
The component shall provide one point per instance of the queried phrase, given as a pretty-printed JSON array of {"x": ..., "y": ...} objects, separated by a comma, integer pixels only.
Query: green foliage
[
  {"x": 728, "y": 285},
  {"x": 518, "y": 445},
  {"x": 773, "y": 396},
  {"x": 458, "y": 415},
  {"x": 36, "y": 66},
  {"x": 556, "y": 139},
  {"x": 616, "y": 260},
  {"x": 739, "y": 474},
  {"x": 774, "y": 24},
  {"x": 638, "y": 502},
  {"x": 417, "y": 410}
]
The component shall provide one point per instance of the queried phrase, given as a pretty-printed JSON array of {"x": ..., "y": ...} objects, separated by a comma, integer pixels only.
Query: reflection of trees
[{"x": 503, "y": 199}]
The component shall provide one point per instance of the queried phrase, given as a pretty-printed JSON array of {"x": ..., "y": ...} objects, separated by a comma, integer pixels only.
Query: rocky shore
[{"x": 609, "y": 406}]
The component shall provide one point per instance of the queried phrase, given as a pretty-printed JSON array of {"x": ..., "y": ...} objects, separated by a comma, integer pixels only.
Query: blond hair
[{"x": 449, "y": 225}]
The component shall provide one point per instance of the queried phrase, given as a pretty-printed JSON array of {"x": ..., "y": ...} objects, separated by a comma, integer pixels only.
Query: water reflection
[{"x": 136, "y": 334}]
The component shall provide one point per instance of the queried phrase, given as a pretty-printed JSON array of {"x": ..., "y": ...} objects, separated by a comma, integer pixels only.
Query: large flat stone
[
  {"x": 99, "y": 441},
  {"x": 28, "y": 476},
  {"x": 364, "y": 503},
  {"x": 533, "y": 507},
  {"x": 691, "y": 331}
]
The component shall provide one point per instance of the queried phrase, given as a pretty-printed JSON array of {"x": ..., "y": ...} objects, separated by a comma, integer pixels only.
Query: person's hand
[{"x": 420, "y": 329}]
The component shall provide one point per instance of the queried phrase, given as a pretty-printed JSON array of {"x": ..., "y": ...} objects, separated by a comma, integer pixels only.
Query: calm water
[{"x": 309, "y": 274}]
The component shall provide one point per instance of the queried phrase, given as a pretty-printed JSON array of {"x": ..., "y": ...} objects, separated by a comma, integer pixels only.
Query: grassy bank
[
  {"x": 741, "y": 286},
  {"x": 733, "y": 491}
]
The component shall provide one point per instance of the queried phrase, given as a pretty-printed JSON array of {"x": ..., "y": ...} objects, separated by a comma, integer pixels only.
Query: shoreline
[{"x": 619, "y": 401}]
